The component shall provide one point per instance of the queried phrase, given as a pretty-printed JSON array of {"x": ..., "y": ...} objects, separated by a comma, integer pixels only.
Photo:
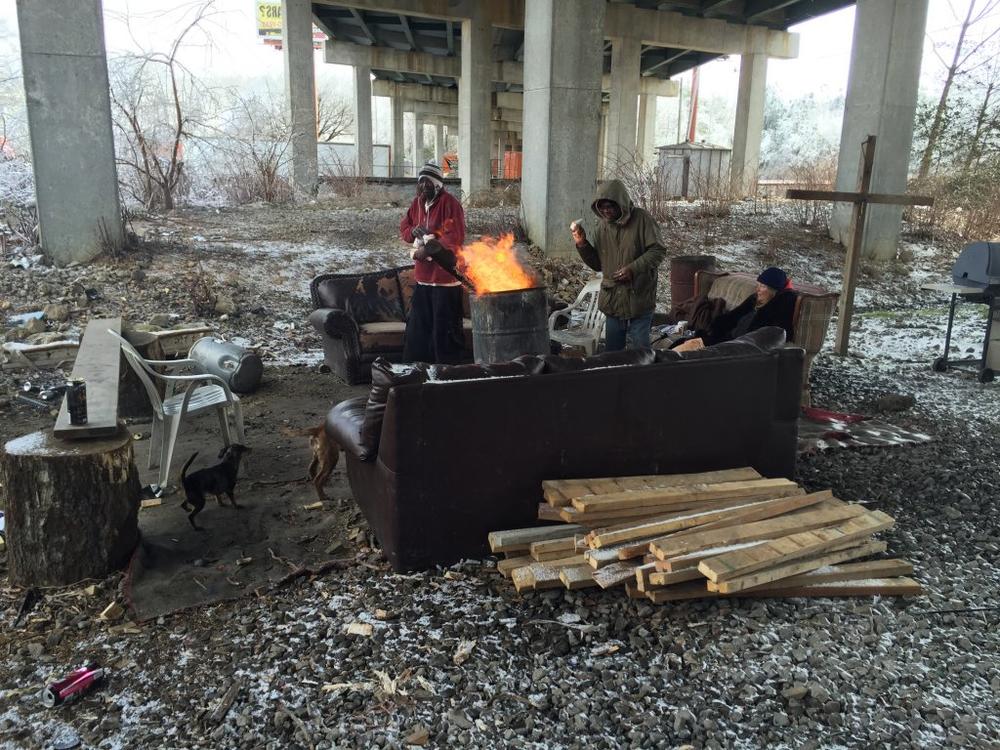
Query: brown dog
[{"x": 325, "y": 454}]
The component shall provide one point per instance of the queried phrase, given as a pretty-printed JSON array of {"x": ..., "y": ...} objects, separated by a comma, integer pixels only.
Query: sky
[{"x": 234, "y": 53}]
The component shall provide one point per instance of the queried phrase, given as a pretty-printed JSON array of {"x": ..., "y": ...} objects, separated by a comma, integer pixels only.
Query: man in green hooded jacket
[{"x": 626, "y": 248}]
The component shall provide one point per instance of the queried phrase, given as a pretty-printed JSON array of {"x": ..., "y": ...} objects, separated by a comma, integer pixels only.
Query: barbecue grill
[{"x": 976, "y": 278}]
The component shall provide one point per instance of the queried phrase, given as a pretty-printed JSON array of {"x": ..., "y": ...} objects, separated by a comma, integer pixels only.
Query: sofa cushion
[
  {"x": 457, "y": 372},
  {"x": 343, "y": 425},
  {"x": 764, "y": 339},
  {"x": 381, "y": 337},
  {"x": 368, "y": 298},
  {"x": 385, "y": 375},
  {"x": 621, "y": 358}
]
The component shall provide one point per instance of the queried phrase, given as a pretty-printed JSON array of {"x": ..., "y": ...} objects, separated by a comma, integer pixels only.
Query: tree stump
[{"x": 72, "y": 507}]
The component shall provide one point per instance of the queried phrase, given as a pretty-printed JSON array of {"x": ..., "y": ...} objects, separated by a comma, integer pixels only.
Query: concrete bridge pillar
[
  {"x": 363, "y": 118},
  {"x": 646, "y": 136},
  {"x": 418, "y": 141},
  {"x": 439, "y": 144},
  {"x": 69, "y": 118},
  {"x": 300, "y": 90},
  {"x": 396, "y": 139},
  {"x": 624, "y": 101},
  {"x": 563, "y": 43},
  {"x": 881, "y": 101},
  {"x": 749, "y": 125},
  {"x": 475, "y": 104}
]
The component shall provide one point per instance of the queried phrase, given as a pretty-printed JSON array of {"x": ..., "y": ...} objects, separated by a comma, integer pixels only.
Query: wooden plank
[
  {"x": 577, "y": 577},
  {"x": 633, "y": 591},
  {"x": 552, "y": 548},
  {"x": 852, "y": 263},
  {"x": 616, "y": 574},
  {"x": 672, "y": 496},
  {"x": 795, "y": 546},
  {"x": 547, "y": 513},
  {"x": 691, "y": 559},
  {"x": 831, "y": 573},
  {"x": 642, "y": 576},
  {"x": 520, "y": 540},
  {"x": 869, "y": 587},
  {"x": 771, "y": 528},
  {"x": 841, "y": 196},
  {"x": 663, "y": 578},
  {"x": 39, "y": 356},
  {"x": 97, "y": 363},
  {"x": 507, "y": 566},
  {"x": 563, "y": 490},
  {"x": 788, "y": 570},
  {"x": 177, "y": 341},
  {"x": 747, "y": 512}
]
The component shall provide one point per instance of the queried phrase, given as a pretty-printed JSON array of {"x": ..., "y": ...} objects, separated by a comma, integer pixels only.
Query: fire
[{"x": 492, "y": 266}]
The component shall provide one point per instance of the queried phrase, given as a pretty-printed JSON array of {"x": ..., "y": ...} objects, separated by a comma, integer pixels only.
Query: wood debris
[{"x": 703, "y": 535}]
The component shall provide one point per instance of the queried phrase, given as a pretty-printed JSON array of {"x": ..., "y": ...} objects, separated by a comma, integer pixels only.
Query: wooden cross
[{"x": 860, "y": 199}]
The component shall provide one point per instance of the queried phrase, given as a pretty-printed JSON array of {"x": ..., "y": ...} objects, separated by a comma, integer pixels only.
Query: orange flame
[{"x": 492, "y": 266}]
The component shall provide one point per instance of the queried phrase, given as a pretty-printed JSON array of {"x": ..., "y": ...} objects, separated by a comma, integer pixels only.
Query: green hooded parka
[{"x": 632, "y": 240}]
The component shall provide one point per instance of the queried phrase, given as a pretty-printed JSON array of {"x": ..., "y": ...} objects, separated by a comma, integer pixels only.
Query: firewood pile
[{"x": 706, "y": 535}]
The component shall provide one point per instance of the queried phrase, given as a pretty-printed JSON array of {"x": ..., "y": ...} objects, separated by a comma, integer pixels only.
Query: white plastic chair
[
  {"x": 169, "y": 412},
  {"x": 590, "y": 329}
]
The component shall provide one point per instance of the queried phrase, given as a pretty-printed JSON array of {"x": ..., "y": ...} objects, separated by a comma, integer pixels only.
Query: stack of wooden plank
[{"x": 710, "y": 534}]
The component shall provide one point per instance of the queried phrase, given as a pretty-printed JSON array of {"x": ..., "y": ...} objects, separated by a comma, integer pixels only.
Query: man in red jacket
[{"x": 434, "y": 328}]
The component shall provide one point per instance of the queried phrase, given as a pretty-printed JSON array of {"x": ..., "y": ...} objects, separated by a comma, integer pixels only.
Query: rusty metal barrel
[
  {"x": 682, "y": 271},
  {"x": 506, "y": 325}
]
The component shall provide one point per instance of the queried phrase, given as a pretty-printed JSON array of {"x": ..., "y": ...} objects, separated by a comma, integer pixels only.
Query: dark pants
[
  {"x": 434, "y": 328},
  {"x": 631, "y": 333}
]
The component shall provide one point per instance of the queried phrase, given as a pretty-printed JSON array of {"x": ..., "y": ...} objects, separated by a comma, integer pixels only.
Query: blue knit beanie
[{"x": 774, "y": 278}]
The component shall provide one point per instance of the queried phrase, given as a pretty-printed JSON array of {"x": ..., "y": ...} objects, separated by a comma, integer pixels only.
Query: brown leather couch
[
  {"x": 814, "y": 307},
  {"x": 438, "y": 457},
  {"x": 361, "y": 317}
]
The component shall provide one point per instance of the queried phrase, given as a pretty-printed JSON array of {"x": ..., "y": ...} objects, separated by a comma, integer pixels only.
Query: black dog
[{"x": 215, "y": 480}]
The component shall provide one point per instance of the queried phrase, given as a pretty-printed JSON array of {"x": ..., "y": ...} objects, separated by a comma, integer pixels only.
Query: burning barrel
[{"x": 508, "y": 324}]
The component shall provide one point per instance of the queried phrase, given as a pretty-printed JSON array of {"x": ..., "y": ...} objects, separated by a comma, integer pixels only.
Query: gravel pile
[{"x": 454, "y": 658}]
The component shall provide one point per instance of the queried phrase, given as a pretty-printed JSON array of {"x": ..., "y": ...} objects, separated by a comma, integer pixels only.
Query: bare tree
[
  {"x": 964, "y": 59},
  {"x": 154, "y": 97},
  {"x": 334, "y": 117}
]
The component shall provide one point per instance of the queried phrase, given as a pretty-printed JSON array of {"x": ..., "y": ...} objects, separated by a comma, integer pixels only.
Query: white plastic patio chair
[
  {"x": 170, "y": 411},
  {"x": 585, "y": 323}
]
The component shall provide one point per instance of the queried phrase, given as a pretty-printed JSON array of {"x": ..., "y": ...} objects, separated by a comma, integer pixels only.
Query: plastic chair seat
[
  {"x": 585, "y": 323},
  {"x": 204, "y": 396}
]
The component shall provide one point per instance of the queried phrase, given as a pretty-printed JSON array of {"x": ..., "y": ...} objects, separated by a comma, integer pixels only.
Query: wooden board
[
  {"x": 860, "y": 571},
  {"x": 550, "y": 549},
  {"x": 663, "y": 578},
  {"x": 97, "y": 362},
  {"x": 39, "y": 356},
  {"x": 506, "y": 567},
  {"x": 691, "y": 559},
  {"x": 775, "y": 574},
  {"x": 616, "y": 574},
  {"x": 795, "y": 546},
  {"x": 178, "y": 341},
  {"x": 870, "y": 587},
  {"x": 560, "y": 492},
  {"x": 577, "y": 577},
  {"x": 547, "y": 513},
  {"x": 687, "y": 496},
  {"x": 754, "y": 511},
  {"x": 520, "y": 540},
  {"x": 771, "y": 528}
]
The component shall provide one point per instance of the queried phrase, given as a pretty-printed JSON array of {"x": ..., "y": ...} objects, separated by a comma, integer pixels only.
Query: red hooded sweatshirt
[{"x": 445, "y": 219}]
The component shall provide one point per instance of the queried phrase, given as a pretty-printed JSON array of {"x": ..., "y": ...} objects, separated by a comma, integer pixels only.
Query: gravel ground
[{"x": 575, "y": 669}]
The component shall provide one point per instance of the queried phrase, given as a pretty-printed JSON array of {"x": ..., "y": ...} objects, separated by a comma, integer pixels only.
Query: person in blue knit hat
[{"x": 772, "y": 304}]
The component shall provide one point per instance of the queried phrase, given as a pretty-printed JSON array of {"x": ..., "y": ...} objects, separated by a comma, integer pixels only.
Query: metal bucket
[
  {"x": 240, "y": 368},
  {"x": 506, "y": 325},
  {"x": 682, "y": 271}
]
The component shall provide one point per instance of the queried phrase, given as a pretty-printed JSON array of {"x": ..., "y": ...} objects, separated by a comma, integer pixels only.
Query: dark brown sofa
[
  {"x": 456, "y": 459},
  {"x": 361, "y": 317}
]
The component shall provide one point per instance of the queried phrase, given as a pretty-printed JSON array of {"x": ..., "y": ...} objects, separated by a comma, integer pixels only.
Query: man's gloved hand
[
  {"x": 419, "y": 232},
  {"x": 419, "y": 251},
  {"x": 624, "y": 275}
]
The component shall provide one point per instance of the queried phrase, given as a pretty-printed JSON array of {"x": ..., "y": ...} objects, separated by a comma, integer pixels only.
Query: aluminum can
[
  {"x": 76, "y": 401},
  {"x": 76, "y": 683}
]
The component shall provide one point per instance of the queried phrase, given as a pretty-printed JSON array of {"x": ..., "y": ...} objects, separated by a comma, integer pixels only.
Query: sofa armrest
[
  {"x": 334, "y": 323},
  {"x": 343, "y": 425},
  {"x": 704, "y": 278},
  {"x": 812, "y": 319}
]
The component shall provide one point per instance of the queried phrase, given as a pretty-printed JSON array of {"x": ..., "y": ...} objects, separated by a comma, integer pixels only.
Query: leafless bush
[
  {"x": 201, "y": 292},
  {"x": 496, "y": 212},
  {"x": 812, "y": 175},
  {"x": 645, "y": 184},
  {"x": 715, "y": 192},
  {"x": 968, "y": 206},
  {"x": 344, "y": 180}
]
